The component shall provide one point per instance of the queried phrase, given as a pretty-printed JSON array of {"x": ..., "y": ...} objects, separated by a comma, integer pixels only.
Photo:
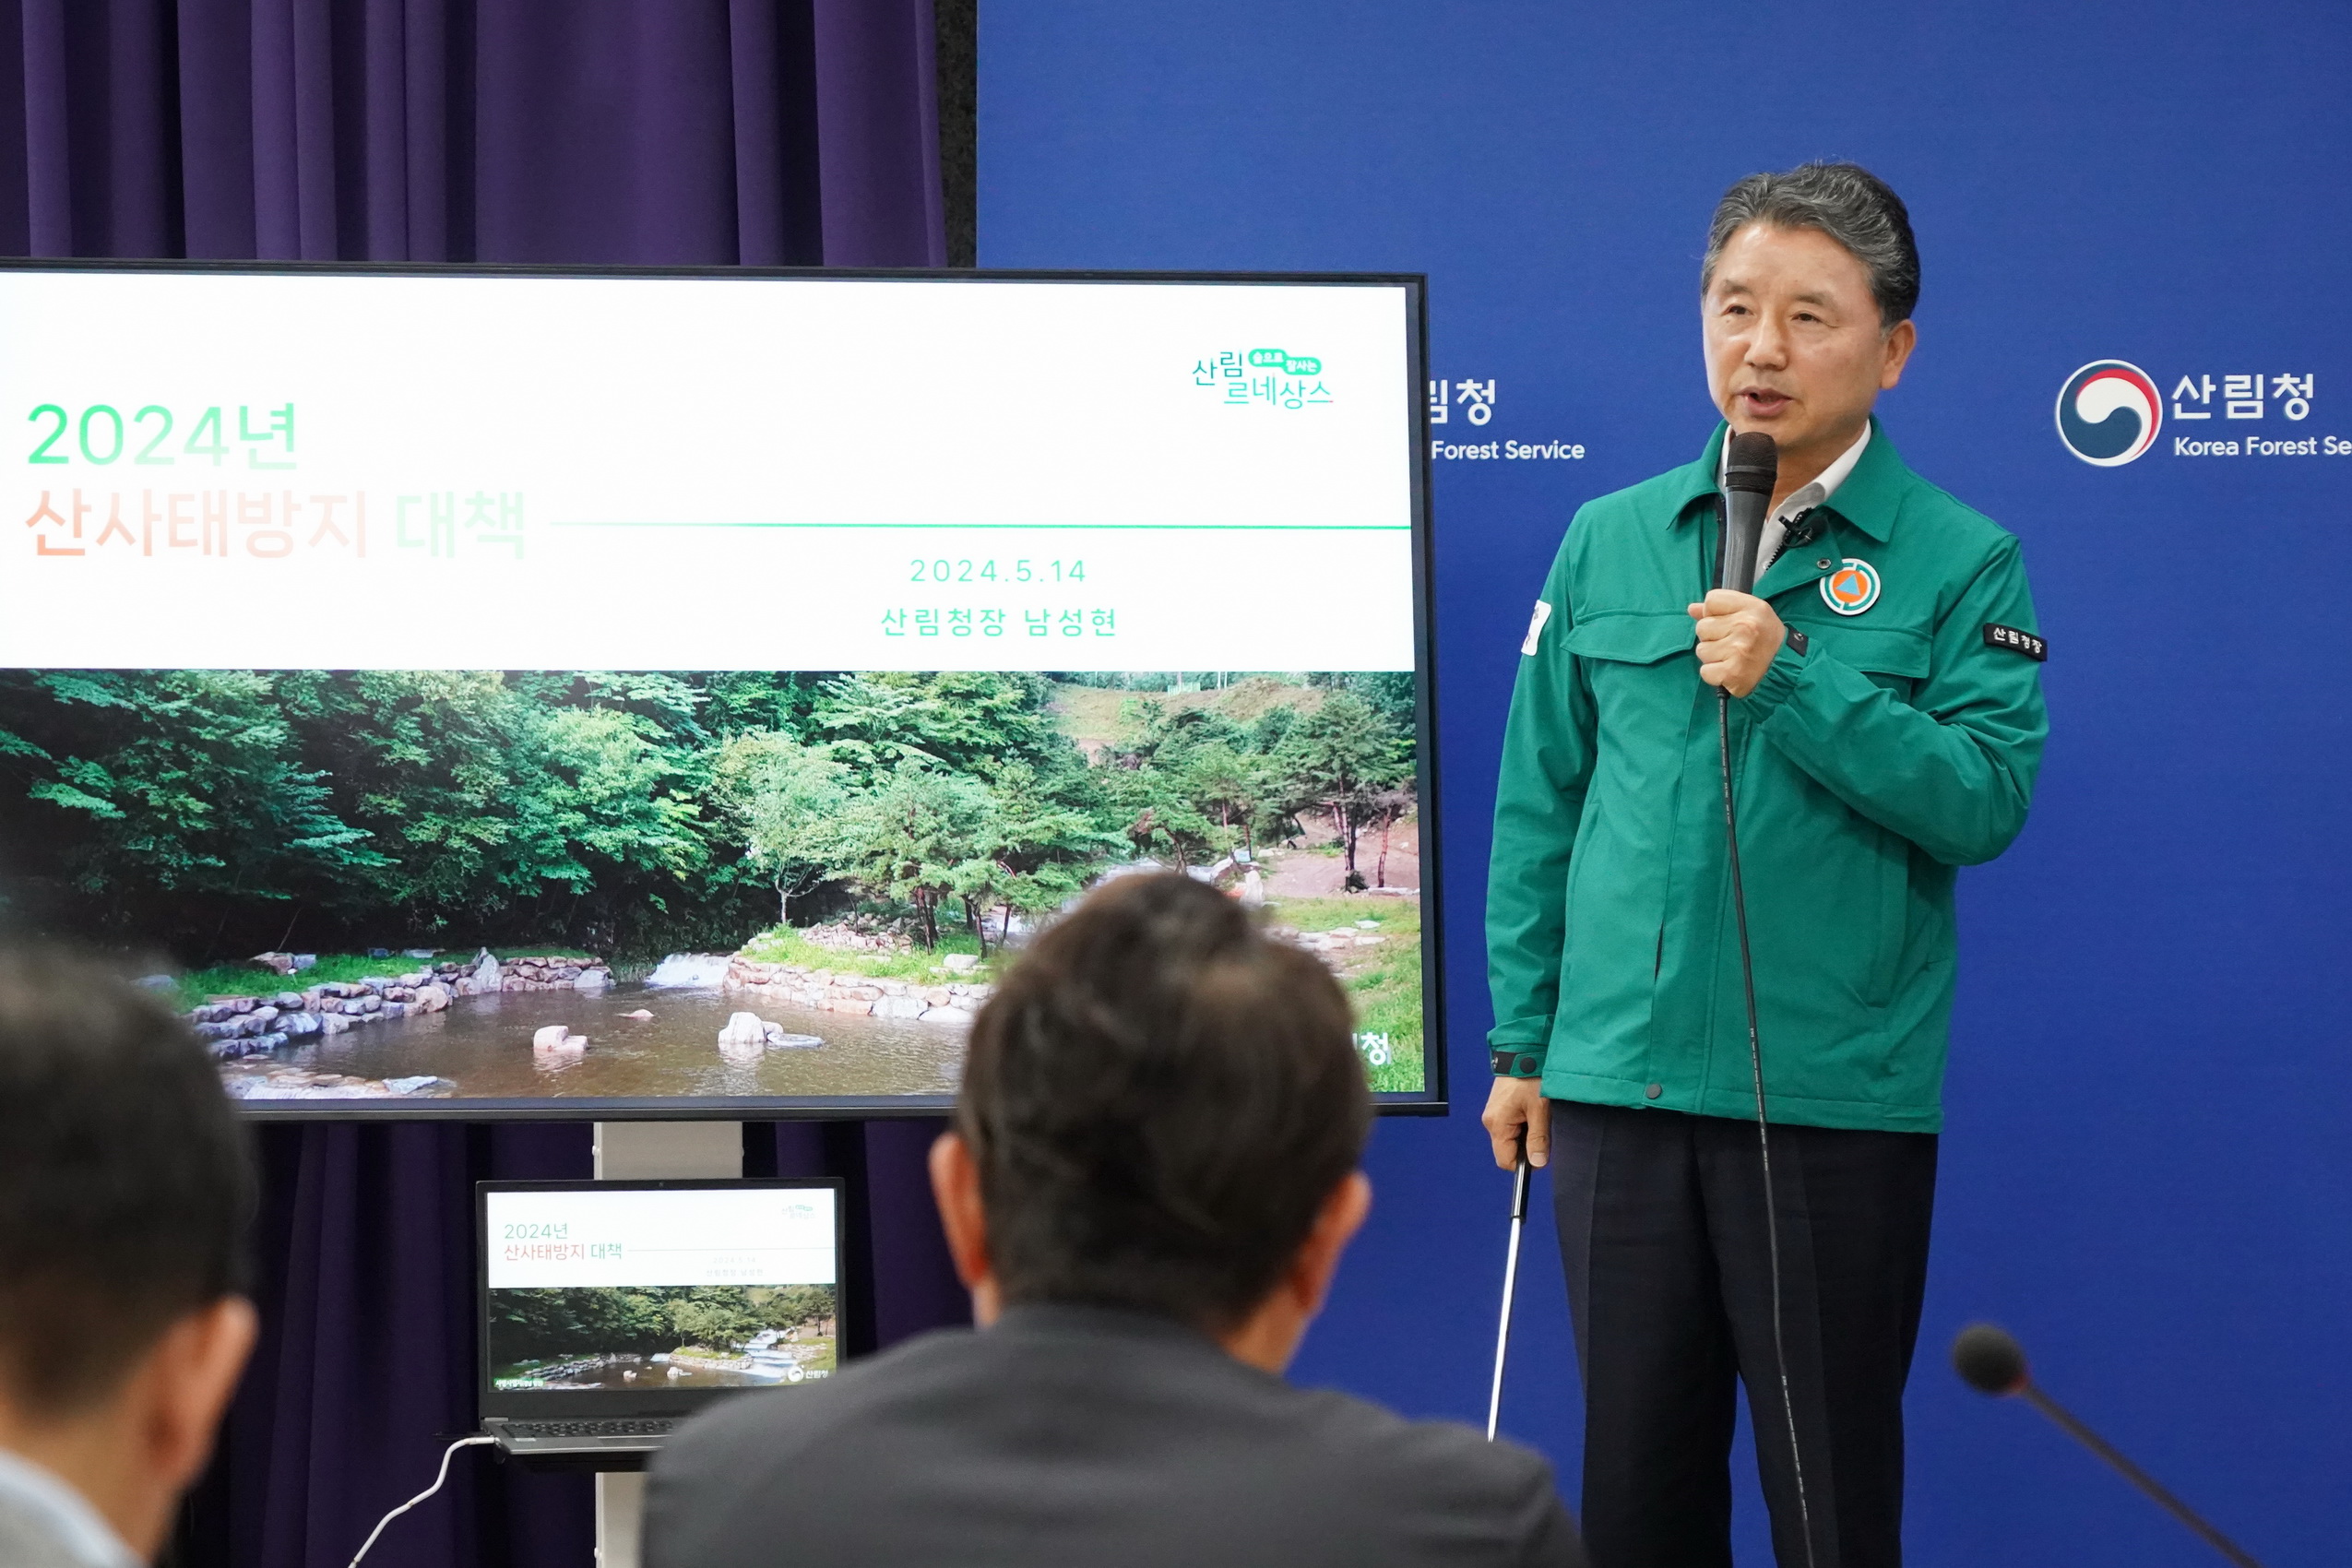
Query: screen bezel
[
  {"x": 1431, "y": 1101},
  {"x": 588, "y": 1405}
]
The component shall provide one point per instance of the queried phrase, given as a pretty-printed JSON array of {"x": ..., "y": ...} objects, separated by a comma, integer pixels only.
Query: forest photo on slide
[{"x": 880, "y": 827}]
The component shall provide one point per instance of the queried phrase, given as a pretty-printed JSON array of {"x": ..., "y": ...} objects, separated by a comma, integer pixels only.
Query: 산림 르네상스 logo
[
  {"x": 1273, "y": 378},
  {"x": 2109, "y": 413}
]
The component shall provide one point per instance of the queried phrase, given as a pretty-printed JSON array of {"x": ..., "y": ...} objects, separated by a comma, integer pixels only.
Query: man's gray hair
[{"x": 1845, "y": 201}]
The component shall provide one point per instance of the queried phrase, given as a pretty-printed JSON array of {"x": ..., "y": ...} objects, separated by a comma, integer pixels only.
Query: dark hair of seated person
[
  {"x": 1158, "y": 1101},
  {"x": 126, "y": 1179}
]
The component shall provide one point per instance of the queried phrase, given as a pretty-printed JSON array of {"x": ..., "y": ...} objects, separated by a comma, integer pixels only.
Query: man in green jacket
[{"x": 1886, "y": 725}]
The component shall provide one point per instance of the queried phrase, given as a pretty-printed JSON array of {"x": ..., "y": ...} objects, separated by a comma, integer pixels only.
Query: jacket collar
[
  {"x": 1870, "y": 499},
  {"x": 1087, "y": 1320}
]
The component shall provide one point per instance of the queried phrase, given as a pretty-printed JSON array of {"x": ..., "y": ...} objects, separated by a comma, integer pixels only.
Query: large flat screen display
[{"x": 474, "y": 692}]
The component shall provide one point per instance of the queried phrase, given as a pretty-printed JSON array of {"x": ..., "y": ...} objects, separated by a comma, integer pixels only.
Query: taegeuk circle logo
[{"x": 2109, "y": 413}]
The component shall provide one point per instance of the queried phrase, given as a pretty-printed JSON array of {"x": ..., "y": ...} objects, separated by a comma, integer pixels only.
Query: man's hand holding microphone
[{"x": 1739, "y": 635}]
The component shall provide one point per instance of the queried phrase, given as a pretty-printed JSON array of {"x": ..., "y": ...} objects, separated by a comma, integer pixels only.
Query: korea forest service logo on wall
[
  {"x": 2109, "y": 413},
  {"x": 1852, "y": 588}
]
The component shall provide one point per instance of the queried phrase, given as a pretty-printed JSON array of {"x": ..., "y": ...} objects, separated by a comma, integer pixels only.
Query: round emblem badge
[{"x": 1852, "y": 588}]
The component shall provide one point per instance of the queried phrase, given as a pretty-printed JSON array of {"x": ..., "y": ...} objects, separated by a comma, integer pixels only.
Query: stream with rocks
[{"x": 635, "y": 1040}]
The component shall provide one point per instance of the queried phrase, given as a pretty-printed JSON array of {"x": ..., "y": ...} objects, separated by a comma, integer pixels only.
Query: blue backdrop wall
[{"x": 2147, "y": 1170}]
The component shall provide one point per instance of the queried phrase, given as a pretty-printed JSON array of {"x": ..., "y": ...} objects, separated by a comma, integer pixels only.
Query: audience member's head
[
  {"x": 1161, "y": 1110},
  {"x": 126, "y": 1186}
]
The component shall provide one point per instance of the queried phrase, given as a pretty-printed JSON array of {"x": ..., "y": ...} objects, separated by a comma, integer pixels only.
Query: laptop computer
[{"x": 610, "y": 1311}]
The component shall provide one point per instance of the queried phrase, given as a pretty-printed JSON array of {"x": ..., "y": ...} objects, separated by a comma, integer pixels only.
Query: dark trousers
[{"x": 1662, "y": 1231}]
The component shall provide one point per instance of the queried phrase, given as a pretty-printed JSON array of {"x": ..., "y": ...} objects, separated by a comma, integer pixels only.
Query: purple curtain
[
  {"x": 704, "y": 132},
  {"x": 760, "y": 132},
  {"x": 365, "y": 1368},
  {"x": 900, "y": 1279}
]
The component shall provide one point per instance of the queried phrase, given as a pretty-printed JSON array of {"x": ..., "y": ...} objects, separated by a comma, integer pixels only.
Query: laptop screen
[{"x": 602, "y": 1297}]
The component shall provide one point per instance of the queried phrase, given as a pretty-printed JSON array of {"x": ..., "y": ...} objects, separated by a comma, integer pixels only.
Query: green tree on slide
[
  {"x": 1341, "y": 756},
  {"x": 188, "y": 781},
  {"x": 787, "y": 801},
  {"x": 909, "y": 833}
]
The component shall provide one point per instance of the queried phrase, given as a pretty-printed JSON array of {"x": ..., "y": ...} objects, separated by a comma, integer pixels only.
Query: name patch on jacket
[{"x": 2016, "y": 641}]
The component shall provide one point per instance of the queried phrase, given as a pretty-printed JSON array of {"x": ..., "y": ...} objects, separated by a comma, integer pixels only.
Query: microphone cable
[{"x": 1763, "y": 1124}]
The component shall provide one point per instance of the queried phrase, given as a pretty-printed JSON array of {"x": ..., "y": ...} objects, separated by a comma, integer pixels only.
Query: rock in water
[
  {"x": 640, "y": 1013},
  {"x": 551, "y": 1038},
  {"x": 592, "y": 980},
  {"x": 486, "y": 973},
  {"x": 745, "y": 1036},
  {"x": 433, "y": 998},
  {"x": 779, "y": 1040}
]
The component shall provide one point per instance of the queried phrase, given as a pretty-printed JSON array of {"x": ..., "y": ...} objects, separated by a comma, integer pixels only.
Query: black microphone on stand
[
  {"x": 1989, "y": 1361},
  {"x": 1749, "y": 469}
]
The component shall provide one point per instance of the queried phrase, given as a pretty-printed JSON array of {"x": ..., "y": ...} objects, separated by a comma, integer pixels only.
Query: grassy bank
[
  {"x": 784, "y": 944},
  {"x": 1383, "y": 982},
  {"x": 198, "y": 986}
]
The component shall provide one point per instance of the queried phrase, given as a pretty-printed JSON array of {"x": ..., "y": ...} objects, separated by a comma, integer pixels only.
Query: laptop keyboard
[{"x": 542, "y": 1430}]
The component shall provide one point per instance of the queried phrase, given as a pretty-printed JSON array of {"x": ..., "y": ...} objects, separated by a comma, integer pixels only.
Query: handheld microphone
[
  {"x": 1752, "y": 467},
  {"x": 1989, "y": 1361}
]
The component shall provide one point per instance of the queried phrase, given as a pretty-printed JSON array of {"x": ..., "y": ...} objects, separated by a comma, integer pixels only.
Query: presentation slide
[
  {"x": 532, "y": 691},
  {"x": 648, "y": 1290}
]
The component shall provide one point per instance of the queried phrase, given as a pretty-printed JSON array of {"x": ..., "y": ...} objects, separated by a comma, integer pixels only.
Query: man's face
[{"x": 1794, "y": 349}]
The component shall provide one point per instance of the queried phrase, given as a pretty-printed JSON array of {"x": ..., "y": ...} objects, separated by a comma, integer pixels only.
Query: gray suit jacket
[{"x": 1080, "y": 1435}]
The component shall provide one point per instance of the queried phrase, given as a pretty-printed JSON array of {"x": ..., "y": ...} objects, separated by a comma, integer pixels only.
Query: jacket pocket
[
  {"x": 1633, "y": 636},
  {"x": 1897, "y": 658}
]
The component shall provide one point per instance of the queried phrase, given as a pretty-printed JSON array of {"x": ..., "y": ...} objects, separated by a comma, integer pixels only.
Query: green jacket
[{"x": 1899, "y": 744}]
